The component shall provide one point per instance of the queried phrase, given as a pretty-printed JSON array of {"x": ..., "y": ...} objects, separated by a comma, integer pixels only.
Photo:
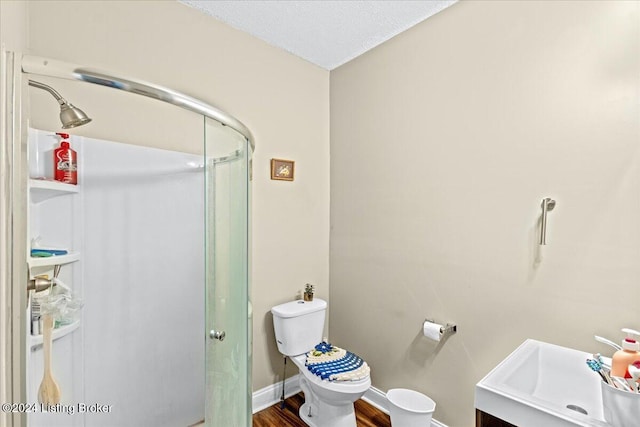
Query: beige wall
[
  {"x": 13, "y": 25},
  {"x": 444, "y": 140},
  {"x": 281, "y": 98}
]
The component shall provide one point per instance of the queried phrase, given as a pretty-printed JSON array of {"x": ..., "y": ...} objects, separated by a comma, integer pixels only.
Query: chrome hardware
[
  {"x": 284, "y": 376},
  {"x": 53, "y": 68},
  {"x": 547, "y": 206},
  {"x": 449, "y": 329},
  {"x": 39, "y": 284},
  {"x": 217, "y": 335}
]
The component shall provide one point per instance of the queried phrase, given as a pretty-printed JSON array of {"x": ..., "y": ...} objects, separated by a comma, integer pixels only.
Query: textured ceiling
[{"x": 327, "y": 33}]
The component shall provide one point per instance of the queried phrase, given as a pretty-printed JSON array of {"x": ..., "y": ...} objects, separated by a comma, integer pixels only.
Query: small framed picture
[{"x": 282, "y": 169}]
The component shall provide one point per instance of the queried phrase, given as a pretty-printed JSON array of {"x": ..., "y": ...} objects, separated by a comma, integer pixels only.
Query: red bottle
[{"x": 65, "y": 163}]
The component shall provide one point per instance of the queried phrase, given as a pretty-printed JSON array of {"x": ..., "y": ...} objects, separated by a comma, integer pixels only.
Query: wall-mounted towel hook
[{"x": 547, "y": 206}]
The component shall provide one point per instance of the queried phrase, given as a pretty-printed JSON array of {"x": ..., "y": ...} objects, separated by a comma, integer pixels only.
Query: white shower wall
[{"x": 140, "y": 346}]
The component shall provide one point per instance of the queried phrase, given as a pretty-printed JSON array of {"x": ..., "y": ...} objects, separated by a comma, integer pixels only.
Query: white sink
[{"x": 538, "y": 384}]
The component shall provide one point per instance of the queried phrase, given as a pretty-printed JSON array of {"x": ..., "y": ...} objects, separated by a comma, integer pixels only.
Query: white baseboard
[
  {"x": 436, "y": 423},
  {"x": 378, "y": 398},
  {"x": 271, "y": 395}
]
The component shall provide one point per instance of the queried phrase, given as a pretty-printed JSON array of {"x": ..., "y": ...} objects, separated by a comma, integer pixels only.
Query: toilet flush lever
[{"x": 217, "y": 335}]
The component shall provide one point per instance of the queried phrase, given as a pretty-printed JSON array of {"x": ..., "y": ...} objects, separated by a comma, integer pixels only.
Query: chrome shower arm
[
  {"x": 70, "y": 116},
  {"x": 49, "y": 89}
]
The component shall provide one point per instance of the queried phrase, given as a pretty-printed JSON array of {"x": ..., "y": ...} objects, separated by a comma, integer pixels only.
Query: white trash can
[{"x": 409, "y": 408}]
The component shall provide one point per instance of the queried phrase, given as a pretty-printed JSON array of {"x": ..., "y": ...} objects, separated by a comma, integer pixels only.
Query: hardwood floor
[{"x": 366, "y": 415}]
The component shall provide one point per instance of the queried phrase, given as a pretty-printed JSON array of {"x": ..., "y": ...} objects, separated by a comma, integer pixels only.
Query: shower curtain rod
[{"x": 54, "y": 68}]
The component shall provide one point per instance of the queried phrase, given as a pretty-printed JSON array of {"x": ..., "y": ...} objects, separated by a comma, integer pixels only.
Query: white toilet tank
[{"x": 298, "y": 325}]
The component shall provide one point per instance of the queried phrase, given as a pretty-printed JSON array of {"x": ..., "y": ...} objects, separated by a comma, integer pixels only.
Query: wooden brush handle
[
  {"x": 49, "y": 391},
  {"x": 47, "y": 324}
]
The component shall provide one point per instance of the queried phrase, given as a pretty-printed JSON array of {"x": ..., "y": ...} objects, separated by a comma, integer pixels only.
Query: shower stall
[{"x": 156, "y": 253}]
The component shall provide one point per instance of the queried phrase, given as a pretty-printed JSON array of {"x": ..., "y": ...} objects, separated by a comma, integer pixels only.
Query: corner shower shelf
[
  {"x": 35, "y": 341},
  {"x": 53, "y": 260},
  {"x": 42, "y": 189}
]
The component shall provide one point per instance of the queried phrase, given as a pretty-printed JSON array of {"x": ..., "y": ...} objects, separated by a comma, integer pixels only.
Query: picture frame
[{"x": 282, "y": 170}]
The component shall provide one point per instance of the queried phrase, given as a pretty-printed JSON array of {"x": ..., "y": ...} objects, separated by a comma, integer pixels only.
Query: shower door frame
[
  {"x": 13, "y": 188},
  {"x": 13, "y": 232}
]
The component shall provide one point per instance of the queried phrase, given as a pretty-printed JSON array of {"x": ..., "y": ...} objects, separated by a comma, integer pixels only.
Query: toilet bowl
[
  {"x": 328, "y": 404},
  {"x": 298, "y": 328}
]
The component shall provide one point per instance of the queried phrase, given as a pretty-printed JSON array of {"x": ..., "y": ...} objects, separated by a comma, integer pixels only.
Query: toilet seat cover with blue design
[{"x": 332, "y": 363}]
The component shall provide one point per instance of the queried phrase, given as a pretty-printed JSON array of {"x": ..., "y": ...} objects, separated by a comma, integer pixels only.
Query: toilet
[{"x": 298, "y": 328}]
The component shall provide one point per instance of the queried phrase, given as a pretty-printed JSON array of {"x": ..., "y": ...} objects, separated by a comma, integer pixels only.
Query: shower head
[{"x": 70, "y": 116}]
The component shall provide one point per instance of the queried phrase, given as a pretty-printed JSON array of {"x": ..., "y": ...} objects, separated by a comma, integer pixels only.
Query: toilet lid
[
  {"x": 337, "y": 386},
  {"x": 333, "y": 363}
]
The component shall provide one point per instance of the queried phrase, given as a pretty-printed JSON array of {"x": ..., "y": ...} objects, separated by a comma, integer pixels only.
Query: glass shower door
[{"x": 227, "y": 292}]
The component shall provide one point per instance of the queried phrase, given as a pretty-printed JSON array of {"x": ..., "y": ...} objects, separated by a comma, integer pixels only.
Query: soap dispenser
[
  {"x": 65, "y": 162},
  {"x": 630, "y": 353}
]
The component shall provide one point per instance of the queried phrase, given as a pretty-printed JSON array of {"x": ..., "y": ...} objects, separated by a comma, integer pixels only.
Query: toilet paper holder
[{"x": 446, "y": 329}]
